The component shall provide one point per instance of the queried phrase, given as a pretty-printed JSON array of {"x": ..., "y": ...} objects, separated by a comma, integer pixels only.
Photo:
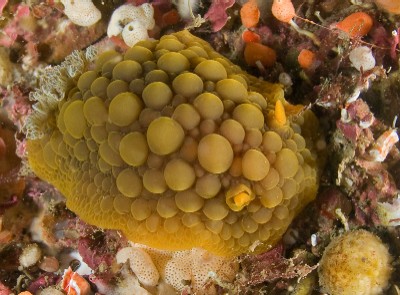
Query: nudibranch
[{"x": 174, "y": 145}]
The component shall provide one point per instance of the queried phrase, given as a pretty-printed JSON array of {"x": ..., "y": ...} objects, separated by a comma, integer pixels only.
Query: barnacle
[{"x": 174, "y": 145}]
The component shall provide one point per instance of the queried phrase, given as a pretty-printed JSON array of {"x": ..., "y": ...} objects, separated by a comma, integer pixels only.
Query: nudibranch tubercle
[{"x": 174, "y": 145}]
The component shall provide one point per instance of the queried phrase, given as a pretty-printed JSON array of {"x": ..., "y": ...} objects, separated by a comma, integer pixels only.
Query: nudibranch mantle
[{"x": 174, "y": 145}]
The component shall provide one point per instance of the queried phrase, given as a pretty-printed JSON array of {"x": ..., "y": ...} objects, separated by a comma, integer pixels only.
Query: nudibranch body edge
[{"x": 175, "y": 146}]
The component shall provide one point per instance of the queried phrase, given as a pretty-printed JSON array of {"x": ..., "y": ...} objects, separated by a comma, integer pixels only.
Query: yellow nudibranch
[{"x": 174, "y": 145}]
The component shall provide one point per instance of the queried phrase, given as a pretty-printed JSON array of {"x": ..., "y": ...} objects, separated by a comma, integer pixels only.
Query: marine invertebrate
[
  {"x": 217, "y": 15},
  {"x": 30, "y": 255},
  {"x": 49, "y": 264},
  {"x": 306, "y": 59},
  {"x": 389, "y": 213},
  {"x": 141, "y": 264},
  {"x": 180, "y": 269},
  {"x": 383, "y": 145},
  {"x": 153, "y": 141},
  {"x": 187, "y": 8},
  {"x": 392, "y": 6},
  {"x": 357, "y": 24},
  {"x": 254, "y": 52},
  {"x": 283, "y": 10},
  {"x": 82, "y": 13},
  {"x": 362, "y": 58},
  {"x": 132, "y": 22},
  {"x": 250, "y": 14},
  {"x": 355, "y": 263},
  {"x": 73, "y": 283},
  {"x": 250, "y": 36}
]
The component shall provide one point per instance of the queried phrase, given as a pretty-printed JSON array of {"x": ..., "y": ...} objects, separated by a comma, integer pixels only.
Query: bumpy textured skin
[
  {"x": 257, "y": 172},
  {"x": 357, "y": 262}
]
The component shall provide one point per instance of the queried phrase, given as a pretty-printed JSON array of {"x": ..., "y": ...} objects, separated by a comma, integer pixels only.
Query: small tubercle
[
  {"x": 239, "y": 196},
  {"x": 279, "y": 114}
]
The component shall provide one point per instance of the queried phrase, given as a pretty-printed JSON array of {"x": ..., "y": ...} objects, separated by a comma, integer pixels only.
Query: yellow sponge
[
  {"x": 175, "y": 146},
  {"x": 357, "y": 262}
]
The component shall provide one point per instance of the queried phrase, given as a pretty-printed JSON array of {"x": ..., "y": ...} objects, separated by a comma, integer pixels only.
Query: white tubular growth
[
  {"x": 82, "y": 13},
  {"x": 132, "y": 22},
  {"x": 186, "y": 8},
  {"x": 361, "y": 57},
  {"x": 141, "y": 264},
  {"x": 389, "y": 214},
  {"x": 134, "y": 32}
]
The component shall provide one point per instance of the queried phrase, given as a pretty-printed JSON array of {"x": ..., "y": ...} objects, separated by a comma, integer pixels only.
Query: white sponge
[
  {"x": 362, "y": 57},
  {"x": 82, "y": 13},
  {"x": 141, "y": 264},
  {"x": 30, "y": 255},
  {"x": 134, "y": 32},
  {"x": 132, "y": 22},
  {"x": 178, "y": 269},
  {"x": 187, "y": 8}
]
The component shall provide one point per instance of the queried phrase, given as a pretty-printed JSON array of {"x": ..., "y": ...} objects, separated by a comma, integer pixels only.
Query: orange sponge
[
  {"x": 250, "y": 14},
  {"x": 306, "y": 59},
  {"x": 357, "y": 24},
  {"x": 392, "y": 6},
  {"x": 283, "y": 10},
  {"x": 254, "y": 52}
]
